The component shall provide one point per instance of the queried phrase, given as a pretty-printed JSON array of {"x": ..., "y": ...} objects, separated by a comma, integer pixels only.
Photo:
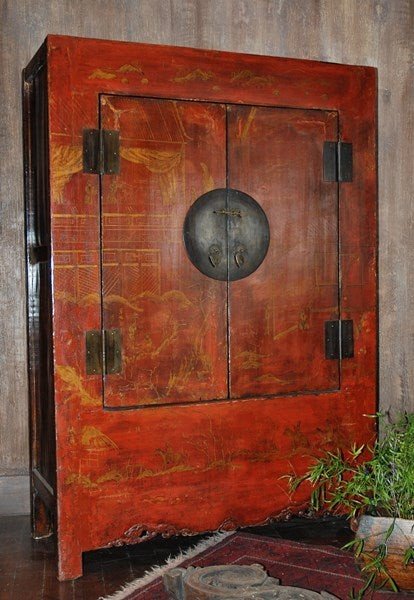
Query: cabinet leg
[
  {"x": 70, "y": 563},
  {"x": 42, "y": 521}
]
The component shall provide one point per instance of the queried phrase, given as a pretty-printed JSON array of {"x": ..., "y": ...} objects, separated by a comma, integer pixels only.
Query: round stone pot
[{"x": 373, "y": 530}]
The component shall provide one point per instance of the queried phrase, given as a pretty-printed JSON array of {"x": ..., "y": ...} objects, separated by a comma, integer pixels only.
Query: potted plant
[{"x": 374, "y": 486}]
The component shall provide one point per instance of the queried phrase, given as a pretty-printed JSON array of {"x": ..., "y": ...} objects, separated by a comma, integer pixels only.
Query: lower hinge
[
  {"x": 103, "y": 351},
  {"x": 339, "y": 339}
]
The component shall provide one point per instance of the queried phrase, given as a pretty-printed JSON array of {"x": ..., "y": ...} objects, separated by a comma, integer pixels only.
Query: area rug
[{"x": 307, "y": 566}]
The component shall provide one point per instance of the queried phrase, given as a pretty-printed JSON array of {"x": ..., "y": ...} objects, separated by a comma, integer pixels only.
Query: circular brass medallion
[{"x": 226, "y": 234}]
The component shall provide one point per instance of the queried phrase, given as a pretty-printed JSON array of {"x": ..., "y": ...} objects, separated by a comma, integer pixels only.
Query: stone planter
[{"x": 373, "y": 531}]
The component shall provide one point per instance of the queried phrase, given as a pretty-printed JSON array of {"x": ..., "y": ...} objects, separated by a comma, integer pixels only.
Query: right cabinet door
[{"x": 277, "y": 314}]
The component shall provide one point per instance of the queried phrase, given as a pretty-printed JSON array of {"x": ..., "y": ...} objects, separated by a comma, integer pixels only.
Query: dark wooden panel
[
  {"x": 39, "y": 292},
  {"x": 39, "y": 275}
]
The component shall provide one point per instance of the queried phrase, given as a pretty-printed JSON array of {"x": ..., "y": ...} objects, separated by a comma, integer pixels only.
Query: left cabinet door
[{"x": 171, "y": 320}]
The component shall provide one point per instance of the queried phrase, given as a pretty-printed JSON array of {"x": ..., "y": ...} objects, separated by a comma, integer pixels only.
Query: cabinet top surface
[
  {"x": 83, "y": 43},
  {"x": 90, "y": 66}
]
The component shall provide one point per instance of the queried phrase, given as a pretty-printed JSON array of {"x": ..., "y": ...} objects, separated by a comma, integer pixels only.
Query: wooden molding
[{"x": 14, "y": 495}]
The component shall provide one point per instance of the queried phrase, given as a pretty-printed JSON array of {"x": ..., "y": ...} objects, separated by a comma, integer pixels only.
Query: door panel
[
  {"x": 277, "y": 314},
  {"x": 172, "y": 319}
]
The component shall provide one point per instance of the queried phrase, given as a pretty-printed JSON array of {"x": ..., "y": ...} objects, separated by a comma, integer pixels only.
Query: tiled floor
[{"x": 28, "y": 568}]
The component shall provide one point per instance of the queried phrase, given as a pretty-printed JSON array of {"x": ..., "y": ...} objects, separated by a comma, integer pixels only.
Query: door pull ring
[
  {"x": 215, "y": 254},
  {"x": 239, "y": 257}
]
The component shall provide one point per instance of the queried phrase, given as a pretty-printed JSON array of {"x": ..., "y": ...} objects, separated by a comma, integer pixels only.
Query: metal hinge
[
  {"x": 339, "y": 339},
  {"x": 337, "y": 161},
  {"x": 101, "y": 151},
  {"x": 103, "y": 348}
]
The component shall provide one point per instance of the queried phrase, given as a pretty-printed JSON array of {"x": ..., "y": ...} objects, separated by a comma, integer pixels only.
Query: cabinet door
[
  {"x": 277, "y": 314},
  {"x": 171, "y": 319},
  {"x": 186, "y": 337}
]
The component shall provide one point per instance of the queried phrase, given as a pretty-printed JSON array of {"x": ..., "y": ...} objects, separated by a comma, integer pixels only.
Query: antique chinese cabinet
[{"x": 201, "y": 254}]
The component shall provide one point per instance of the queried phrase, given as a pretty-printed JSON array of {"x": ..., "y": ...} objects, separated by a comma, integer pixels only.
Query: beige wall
[{"x": 368, "y": 32}]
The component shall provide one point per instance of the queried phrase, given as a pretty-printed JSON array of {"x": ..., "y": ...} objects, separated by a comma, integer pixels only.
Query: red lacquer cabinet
[{"x": 201, "y": 252}]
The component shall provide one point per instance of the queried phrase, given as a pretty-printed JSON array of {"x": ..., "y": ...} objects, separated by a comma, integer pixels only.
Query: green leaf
[{"x": 409, "y": 556}]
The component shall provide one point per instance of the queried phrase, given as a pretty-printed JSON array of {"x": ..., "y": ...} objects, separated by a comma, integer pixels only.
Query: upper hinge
[
  {"x": 337, "y": 161},
  {"x": 339, "y": 339},
  {"x": 101, "y": 151}
]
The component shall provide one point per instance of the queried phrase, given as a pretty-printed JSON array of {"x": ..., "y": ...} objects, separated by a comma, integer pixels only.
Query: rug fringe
[{"x": 170, "y": 563}]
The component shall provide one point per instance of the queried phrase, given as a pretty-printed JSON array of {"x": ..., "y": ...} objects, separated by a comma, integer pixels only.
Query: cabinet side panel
[{"x": 39, "y": 312}]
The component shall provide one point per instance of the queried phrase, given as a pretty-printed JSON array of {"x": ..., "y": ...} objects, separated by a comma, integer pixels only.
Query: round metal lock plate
[{"x": 226, "y": 234}]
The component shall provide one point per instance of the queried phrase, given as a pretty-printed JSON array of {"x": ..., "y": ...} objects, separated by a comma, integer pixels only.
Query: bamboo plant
[{"x": 374, "y": 480}]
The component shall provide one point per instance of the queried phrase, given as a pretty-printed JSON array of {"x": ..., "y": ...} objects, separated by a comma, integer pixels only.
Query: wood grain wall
[{"x": 369, "y": 32}]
